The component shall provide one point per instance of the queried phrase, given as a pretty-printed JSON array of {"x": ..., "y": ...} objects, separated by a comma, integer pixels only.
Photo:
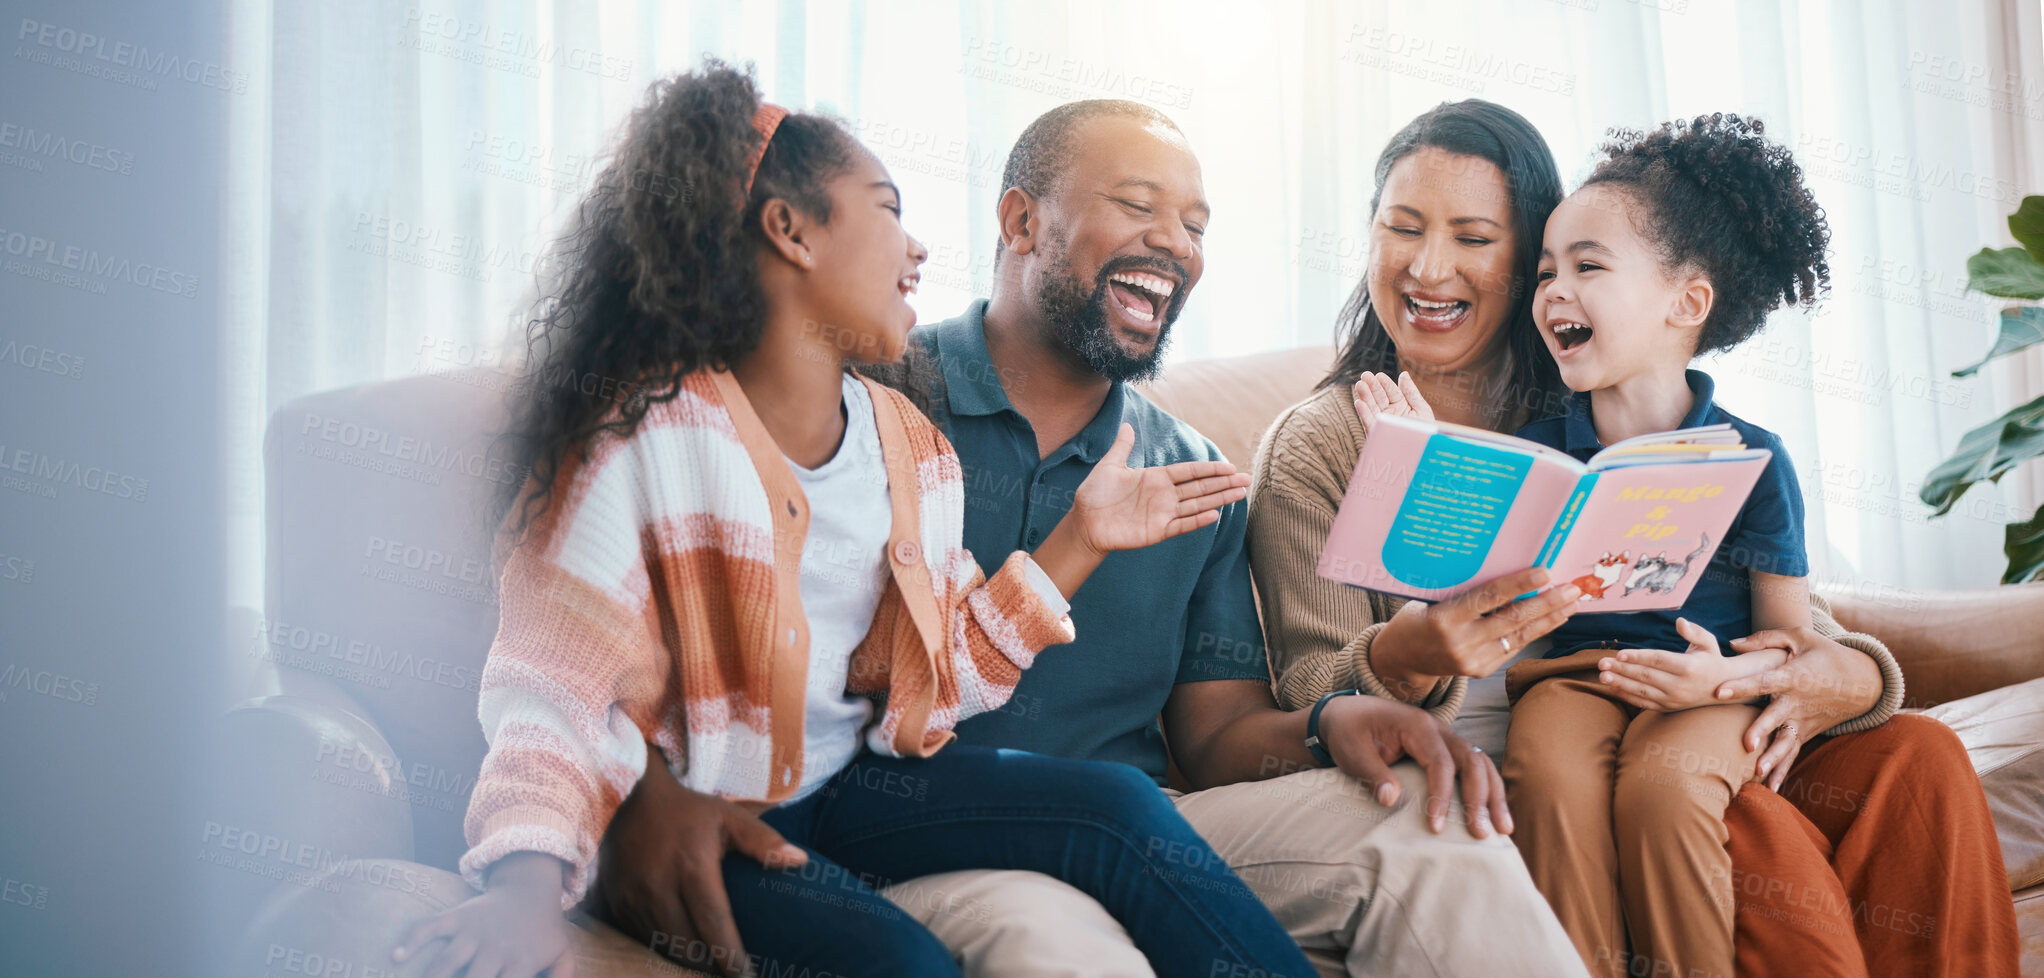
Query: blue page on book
[{"x": 1451, "y": 512}]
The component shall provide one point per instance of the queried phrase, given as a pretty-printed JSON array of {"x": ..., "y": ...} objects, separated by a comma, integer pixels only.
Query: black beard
[{"x": 1080, "y": 318}]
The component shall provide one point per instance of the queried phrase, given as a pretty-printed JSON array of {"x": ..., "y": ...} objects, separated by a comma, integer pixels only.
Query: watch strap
[{"x": 1314, "y": 745}]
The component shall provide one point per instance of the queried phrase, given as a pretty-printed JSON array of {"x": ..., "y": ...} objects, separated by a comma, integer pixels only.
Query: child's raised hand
[
  {"x": 1378, "y": 395},
  {"x": 515, "y": 929},
  {"x": 1123, "y": 508},
  {"x": 1667, "y": 681}
]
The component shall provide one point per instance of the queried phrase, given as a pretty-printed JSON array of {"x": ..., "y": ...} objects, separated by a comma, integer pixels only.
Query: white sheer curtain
[{"x": 405, "y": 163}]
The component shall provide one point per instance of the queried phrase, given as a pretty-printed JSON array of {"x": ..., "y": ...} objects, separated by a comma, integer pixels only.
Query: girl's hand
[
  {"x": 1378, "y": 395},
  {"x": 515, "y": 929},
  {"x": 1669, "y": 681}
]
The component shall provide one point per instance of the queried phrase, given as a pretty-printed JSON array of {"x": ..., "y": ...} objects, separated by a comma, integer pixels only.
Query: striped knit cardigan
[{"x": 658, "y": 598}]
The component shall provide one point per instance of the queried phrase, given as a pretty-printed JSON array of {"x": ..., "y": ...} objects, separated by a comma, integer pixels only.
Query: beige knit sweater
[{"x": 1319, "y": 632}]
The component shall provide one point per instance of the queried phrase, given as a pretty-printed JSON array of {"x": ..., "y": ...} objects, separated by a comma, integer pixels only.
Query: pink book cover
[
  {"x": 1435, "y": 509},
  {"x": 1647, "y": 532}
]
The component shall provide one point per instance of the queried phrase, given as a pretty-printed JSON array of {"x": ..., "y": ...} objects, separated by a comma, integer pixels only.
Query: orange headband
[{"x": 766, "y": 120}]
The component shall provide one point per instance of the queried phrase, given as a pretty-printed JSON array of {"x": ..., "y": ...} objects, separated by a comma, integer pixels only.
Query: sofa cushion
[
  {"x": 2003, "y": 731},
  {"x": 1232, "y": 400},
  {"x": 1950, "y": 644},
  {"x": 2030, "y": 927}
]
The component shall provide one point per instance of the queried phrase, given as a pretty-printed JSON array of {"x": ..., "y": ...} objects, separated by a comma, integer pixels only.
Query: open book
[{"x": 1435, "y": 509}]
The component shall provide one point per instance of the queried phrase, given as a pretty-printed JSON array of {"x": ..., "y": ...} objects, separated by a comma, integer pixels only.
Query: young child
[
  {"x": 1680, "y": 243},
  {"x": 751, "y": 559}
]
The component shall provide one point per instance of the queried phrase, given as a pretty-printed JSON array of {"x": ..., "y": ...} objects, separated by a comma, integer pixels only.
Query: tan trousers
[
  {"x": 1364, "y": 890},
  {"x": 1623, "y": 809}
]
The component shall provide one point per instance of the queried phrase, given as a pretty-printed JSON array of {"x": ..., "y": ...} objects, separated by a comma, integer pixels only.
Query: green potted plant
[{"x": 1986, "y": 452}]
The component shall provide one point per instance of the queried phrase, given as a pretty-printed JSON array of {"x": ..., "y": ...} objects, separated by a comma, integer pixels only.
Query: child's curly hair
[
  {"x": 1722, "y": 199},
  {"x": 656, "y": 277}
]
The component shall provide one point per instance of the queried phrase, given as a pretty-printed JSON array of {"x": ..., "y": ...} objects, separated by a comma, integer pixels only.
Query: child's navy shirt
[{"x": 1766, "y": 536}]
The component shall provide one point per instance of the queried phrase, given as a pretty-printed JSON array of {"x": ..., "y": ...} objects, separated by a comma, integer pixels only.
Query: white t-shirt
[{"x": 844, "y": 572}]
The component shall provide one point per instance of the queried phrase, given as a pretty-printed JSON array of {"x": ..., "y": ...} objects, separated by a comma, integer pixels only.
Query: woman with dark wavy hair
[
  {"x": 1905, "y": 878},
  {"x": 746, "y": 564}
]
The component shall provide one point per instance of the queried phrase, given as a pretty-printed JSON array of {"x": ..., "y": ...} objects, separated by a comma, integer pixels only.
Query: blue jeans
[{"x": 1104, "y": 828}]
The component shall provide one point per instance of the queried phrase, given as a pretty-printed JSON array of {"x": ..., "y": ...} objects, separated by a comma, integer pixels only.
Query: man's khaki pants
[{"x": 1365, "y": 890}]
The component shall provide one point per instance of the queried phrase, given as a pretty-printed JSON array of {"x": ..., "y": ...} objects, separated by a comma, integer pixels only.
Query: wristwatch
[{"x": 1313, "y": 744}]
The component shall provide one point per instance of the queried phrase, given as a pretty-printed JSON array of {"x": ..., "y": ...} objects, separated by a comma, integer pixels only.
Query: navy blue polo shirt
[
  {"x": 1178, "y": 612},
  {"x": 1766, "y": 536}
]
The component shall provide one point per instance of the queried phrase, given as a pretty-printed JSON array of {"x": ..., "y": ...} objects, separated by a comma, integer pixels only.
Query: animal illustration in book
[
  {"x": 1603, "y": 574},
  {"x": 1658, "y": 574}
]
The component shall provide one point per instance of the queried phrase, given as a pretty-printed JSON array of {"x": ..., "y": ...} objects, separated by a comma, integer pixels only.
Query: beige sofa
[{"x": 360, "y": 741}]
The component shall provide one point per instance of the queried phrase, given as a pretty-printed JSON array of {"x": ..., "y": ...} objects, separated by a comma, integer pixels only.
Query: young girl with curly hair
[{"x": 746, "y": 564}]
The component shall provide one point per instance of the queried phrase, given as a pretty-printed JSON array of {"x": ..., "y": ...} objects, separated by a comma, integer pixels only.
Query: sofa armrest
[
  {"x": 347, "y": 920},
  {"x": 315, "y": 773},
  {"x": 1952, "y": 644}
]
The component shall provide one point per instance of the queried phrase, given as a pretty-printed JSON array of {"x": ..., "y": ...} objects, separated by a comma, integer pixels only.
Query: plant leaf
[
  {"x": 2007, "y": 272},
  {"x": 1985, "y": 453},
  {"x": 2027, "y": 224},
  {"x": 2020, "y": 327},
  {"x": 2025, "y": 547}
]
